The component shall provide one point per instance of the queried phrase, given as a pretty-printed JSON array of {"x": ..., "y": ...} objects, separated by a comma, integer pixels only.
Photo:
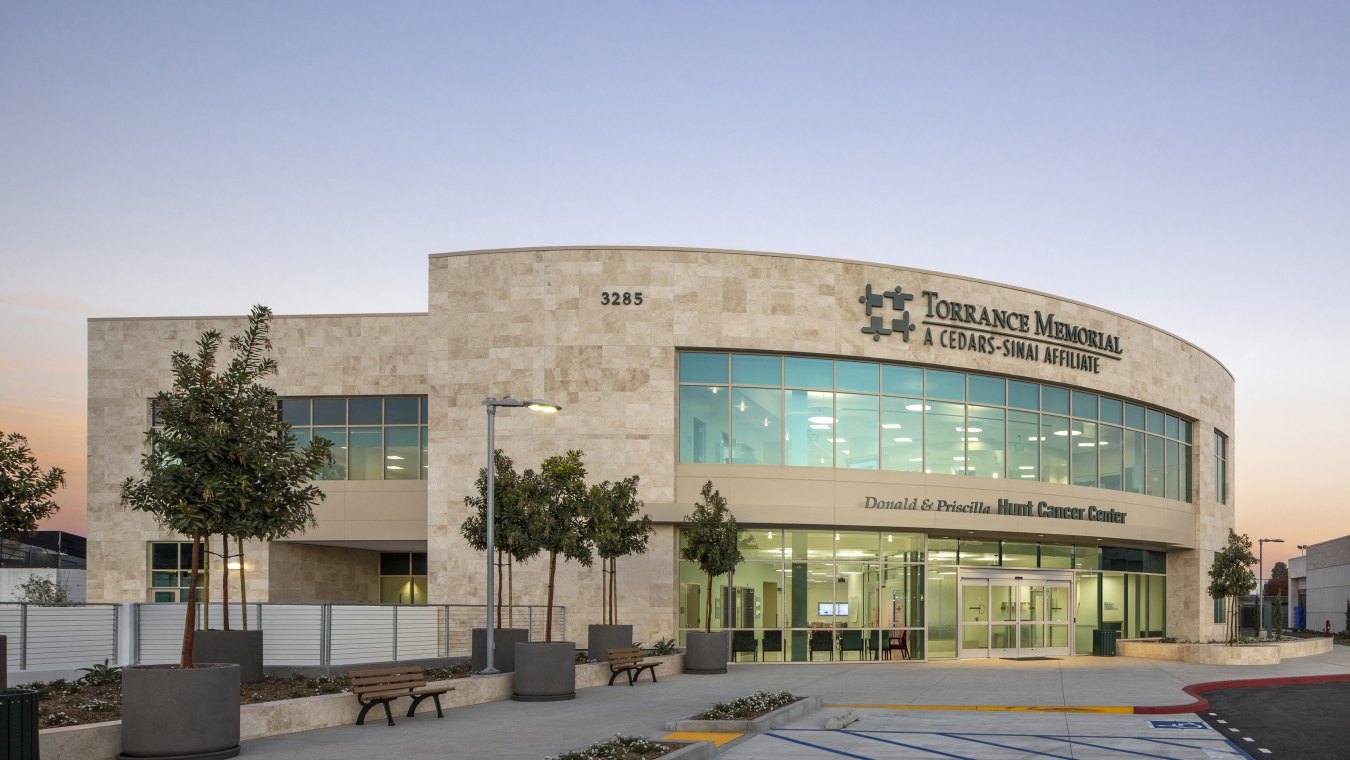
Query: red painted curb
[{"x": 1200, "y": 704}]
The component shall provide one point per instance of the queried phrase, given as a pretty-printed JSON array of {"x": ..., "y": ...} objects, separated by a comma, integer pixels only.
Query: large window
[
  {"x": 1220, "y": 467},
  {"x": 171, "y": 571},
  {"x": 403, "y": 578},
  {"x": 808, "y": 412},
  {"x": 374, "y": 438}
]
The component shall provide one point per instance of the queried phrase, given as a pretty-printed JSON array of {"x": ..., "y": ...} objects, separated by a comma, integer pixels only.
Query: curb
[
  {"x": 757, "y": 726},
  {"x": 1201, "y": 704},
  {"x": 691, "y": 751}
]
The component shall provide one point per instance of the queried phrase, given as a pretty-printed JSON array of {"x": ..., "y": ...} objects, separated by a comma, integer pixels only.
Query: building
[
  {"x": 991, "y": 470},
  {"x": 1319, "y": 586},
  {"x": 55, "y": 555}
]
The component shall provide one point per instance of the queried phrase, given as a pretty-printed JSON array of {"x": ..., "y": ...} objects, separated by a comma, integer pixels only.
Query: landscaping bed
[{"x": 97, "y": 697}]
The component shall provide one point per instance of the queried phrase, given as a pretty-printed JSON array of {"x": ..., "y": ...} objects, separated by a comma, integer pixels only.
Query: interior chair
[
  {"x": 822, "y": 641},
  {"x": 900, "y": 641},
  {"x": 773, "y": 642},
  {"x": 850, "y": 641},
  {"x": 880, "y": 643},
  {"x": 744, "y": 642}
]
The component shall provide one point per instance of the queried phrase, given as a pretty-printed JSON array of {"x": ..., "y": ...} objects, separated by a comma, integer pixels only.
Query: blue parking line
[
  {"x": 831, "y": 750},
  {"x": 1006, "y": 746},
  {"x": 908, "y": 746},
  {"x": 1071, "y": 740}
]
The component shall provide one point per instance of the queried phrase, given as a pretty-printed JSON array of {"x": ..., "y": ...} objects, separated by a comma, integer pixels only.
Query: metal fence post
[
  {"x": 529, "y": 621},
  {"x": 23, "y": 637},
  {"x": 395, "y": 634},
  {"x": 325, "y": 634}
]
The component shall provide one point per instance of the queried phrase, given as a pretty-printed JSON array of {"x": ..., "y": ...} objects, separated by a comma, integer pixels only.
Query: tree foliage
[
  {"x": 616, "y": 531},
  {"x": 25, "y": 490},
  {"x": 511, "y": 534},
  {"x": 1278, "y": 585},
  {"x": 557, "y": 510},
  {"x": 41, "y": 590},
  {"x": 221, "y": 461},
  {"x": 1231, "y": 577},
  {"x": 711, "y": 540}
]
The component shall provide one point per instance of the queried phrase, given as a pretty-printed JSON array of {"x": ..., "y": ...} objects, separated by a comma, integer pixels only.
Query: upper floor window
[
  {"x": 1220, "y": 467},
  {"x": 812, "y": 412},
  {"x": 171, "y": 571},
  {"x": 374, "y": 437}
]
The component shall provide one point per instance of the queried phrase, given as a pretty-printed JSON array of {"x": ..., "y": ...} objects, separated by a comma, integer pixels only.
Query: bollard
[{"x": 4, "y": 663}]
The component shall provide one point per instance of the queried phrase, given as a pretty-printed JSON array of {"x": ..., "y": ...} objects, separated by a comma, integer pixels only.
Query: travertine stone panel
[
  {"x": 304, "y": 573},
  {"x": 129, "y": 363}
]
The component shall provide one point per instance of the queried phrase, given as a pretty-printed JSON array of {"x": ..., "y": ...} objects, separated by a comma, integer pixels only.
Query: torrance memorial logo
[{"x": 877, "y": 323}]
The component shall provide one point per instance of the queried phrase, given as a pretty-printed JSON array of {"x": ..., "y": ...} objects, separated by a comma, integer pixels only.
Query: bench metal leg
[
  {"x": 418, "y": 700},
  {"x": 365, "y": 708},
  {"x": 652, "y": 670}
]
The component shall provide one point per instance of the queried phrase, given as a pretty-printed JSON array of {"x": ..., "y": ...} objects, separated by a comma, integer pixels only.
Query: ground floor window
[
  {"x": 403, "y": 578},
  {"x": 170, "y": 572},
  {"x": 803, "y": 595}
]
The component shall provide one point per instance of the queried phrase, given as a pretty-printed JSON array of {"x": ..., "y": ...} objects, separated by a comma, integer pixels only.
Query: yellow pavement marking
[
  {"x": 700, "y": 736},
  {"x": 999, "y": 708}
]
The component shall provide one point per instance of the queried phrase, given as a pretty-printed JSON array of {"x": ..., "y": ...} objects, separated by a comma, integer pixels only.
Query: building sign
[
  {"x": 958, "y": 326},
  {"x": 1008, "y": 507}
]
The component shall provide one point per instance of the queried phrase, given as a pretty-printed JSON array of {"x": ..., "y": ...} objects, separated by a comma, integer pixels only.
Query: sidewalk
[{"x": 886, "y": 692}]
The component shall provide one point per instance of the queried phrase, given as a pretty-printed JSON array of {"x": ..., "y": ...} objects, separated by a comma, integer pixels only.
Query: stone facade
[{"x": 531, "y": 322}]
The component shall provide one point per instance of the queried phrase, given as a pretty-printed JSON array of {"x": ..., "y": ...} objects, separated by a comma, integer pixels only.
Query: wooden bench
[
  {"x": 628, "y": 660},
  {"x": 383, "y": 685}
]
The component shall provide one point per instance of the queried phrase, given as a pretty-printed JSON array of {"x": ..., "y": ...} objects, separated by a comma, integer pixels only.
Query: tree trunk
[
  {"x": 243, "y": 593},
  {"x": 614, "y": 590},
  {"x": 225, "y": 580},
  {"x": 707, "y": 609},
  {"x": 548, "y": 616},
  {"x": 190, "y": 619},
  {"x": 510, "y": 593},
  {"x": 206, "y": 581},
  {"x": 498, "y": 571},
  {"x": 604, "y": 591}
]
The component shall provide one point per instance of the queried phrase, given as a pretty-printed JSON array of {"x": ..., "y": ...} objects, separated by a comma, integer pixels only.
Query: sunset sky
[{"x": 1187, "y": 164}]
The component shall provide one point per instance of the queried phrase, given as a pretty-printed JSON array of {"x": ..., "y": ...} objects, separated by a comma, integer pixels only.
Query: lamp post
[
  {"x": 538, "y": 405},
  {"x": 1260, "y": 580}
]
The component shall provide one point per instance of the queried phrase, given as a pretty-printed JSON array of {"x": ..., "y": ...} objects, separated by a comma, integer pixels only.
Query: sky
[{"x": 1186, "y": 164}]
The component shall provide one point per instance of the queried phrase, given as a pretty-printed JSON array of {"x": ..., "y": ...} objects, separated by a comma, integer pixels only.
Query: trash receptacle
[
  {"x": 18, "y": 724},
  {"x": 1104, "y": 642}
]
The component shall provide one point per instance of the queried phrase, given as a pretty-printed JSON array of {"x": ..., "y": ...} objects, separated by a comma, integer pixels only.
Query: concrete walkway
[{"x": 894, "y": 701}]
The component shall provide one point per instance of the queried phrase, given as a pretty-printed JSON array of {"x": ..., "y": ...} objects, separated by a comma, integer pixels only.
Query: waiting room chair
[
  {"x": 744, "y": 642},
  {"x": 822, "y": 641},
  {"x": 900, "y": 641},
  {"x": 773, "y": 642},
  {"x": 850, "y": 641}
]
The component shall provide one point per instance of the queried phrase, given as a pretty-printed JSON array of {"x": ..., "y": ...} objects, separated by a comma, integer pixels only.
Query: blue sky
[{"x": 1183, "y": 163}]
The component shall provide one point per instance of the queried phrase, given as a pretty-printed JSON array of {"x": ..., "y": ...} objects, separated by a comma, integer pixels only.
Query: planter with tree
[
  {"x": 555, "y": 500},
  {"x": 25, "y": 498},
  {"x": 221, "y": 462},
  {"x": 712, "y": 541},
  {"x": 1231, "y": 578},
  {"x": 514, "y": 543},
  {"x": 616, "y": 531}
]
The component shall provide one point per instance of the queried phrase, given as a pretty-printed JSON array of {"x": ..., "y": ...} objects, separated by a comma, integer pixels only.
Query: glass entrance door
[{"x": 1008, "y": 615}]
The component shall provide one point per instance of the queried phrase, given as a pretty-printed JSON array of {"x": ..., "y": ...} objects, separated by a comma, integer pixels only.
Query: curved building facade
[{"x": 964, "y": 468}]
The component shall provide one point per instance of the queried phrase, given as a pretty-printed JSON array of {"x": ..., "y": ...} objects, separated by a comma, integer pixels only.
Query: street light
[
  {"x": 538, "y": 405},
  {"x": 1260, "y": 588}
]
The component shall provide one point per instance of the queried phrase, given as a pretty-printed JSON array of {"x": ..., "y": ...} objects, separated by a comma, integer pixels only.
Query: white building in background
[{"x": 1319, "y": 586}]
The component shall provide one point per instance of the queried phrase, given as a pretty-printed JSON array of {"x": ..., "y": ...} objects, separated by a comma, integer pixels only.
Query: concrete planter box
[
  {"x": 1221, "y": 654},
  {"x": 503, "y": 651},
  {"x": 243, "y": 648},
  {"x": 779, "y": 717},
  {"x": 706, "y": 653},
  {"x": 602, "y": 637},
  {"x": 545, "y": 671},
  {"x": 172, "y": 712}
]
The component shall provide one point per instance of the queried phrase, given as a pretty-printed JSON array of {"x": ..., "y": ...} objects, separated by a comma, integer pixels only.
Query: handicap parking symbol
[{"x": 1174, "y": 724}]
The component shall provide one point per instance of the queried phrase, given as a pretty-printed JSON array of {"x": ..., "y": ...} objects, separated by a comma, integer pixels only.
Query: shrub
[
  {"x": 618, "y": 748},
  {"x": 743, "y": 708}
]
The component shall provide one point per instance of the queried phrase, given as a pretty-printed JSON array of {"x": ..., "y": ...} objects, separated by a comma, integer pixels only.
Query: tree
[
  {"x": 712, "y": 541},
  {"x": 1231, "y": 577},
  {"x": 616, "y": 532},
  {"x": 1278, "y": 585},
  {"x": 25, "y": 490},
  {"x": 556, "y": 514},
  {"x": 510, "y": 523},
  {"x": 222, "y": 462},
  {"x": 41, "y": 591}
]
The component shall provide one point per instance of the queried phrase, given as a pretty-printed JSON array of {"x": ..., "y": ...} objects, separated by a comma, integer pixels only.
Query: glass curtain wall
[{"x": 752, "y": 409}]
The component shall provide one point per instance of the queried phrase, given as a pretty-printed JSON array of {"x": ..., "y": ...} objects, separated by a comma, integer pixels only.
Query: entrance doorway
[{"x": 1015, "y": 613}]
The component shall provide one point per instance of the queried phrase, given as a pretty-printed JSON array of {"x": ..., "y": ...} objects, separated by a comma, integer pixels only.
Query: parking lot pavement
[
  {"x": 1308, "y": 720},
  {"x": 886, "y": 734}
]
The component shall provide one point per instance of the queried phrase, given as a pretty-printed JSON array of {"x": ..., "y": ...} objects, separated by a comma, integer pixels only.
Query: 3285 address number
[{"x": 617, "y": 298}]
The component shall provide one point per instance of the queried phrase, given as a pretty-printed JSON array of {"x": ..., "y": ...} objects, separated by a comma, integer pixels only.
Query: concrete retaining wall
[
  {"x": 102, "y": 741},
  {"x": 1221, "y": 654}
]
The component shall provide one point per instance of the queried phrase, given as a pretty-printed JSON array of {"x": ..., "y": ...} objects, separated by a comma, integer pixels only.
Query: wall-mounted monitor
[{"x": 826, "y": 609}]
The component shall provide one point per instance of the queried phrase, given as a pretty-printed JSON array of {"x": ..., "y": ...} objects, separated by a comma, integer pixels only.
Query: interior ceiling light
[
  {"x": 918, "y": 408},
  {"x": 1086, "y": 443},
  {"x": 890, "y": 425},
  {"x": 820, "y": 420},
  {"x": 742, "y": 406},
  {"x": 904, "y": 440},
  {"x": 972, "y": 440},
  {"x": 714, "y": 390},
  {"x": 837, "y": 440},
  {"x": 1065, "y": 432},
  {"x": 399, "y": 458},
  {"x": 766, "y": 422},
  {"x": 392, "y": 467},
  {"x": 820, "y": 427},
  {"x": 1027, "y": 467},
  {"x": 969, "y": 430}
]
